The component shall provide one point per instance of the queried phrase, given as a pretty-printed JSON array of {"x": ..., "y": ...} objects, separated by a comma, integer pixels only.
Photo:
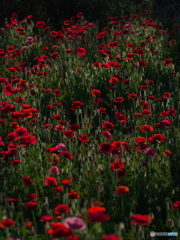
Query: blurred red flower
[
  {"x": 176, "y": 205},
  {"x": 111, "y": 237},
  {"x": 138, "y": 219},
  {"x": 59, "y": 230},
  {"x": 69, "y": 133},
  {"x": 51, "y": 181},
  {"x": 97, "y": 214},
  {"x": 105, "y": 148},
  {"x": 76, "y": 104},
  {"x": 83, "y": 138},
  {"x": 62, "y": 208},
  {"x": 81, "y": 51},
  {"x": 146, "y": 128},
  {"x": 108, "y": 125},
  {"x": 27, "y": 180},
  {"x": 40, "y": 24},
  {"x": 31, "y": 205},
  {"x": 73, "y": 195},
  {"x": 113, "y": 44},
  {"x": 31, "y": 196},
  {"x": 141, "y": 64},
  {"x": 7, "y": 223},
  {"x": 95, "y": 93},
  {"x": 167, "y": 61}
]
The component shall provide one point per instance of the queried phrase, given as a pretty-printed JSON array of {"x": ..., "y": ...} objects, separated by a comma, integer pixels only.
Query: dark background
[{"x": 94, "y": 10}]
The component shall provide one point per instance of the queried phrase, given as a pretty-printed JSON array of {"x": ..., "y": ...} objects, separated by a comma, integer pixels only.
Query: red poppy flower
[
  {"x": 83, "y": 138},
  {"x": 135, "y": 16},
  {"x": 141, "y": 64},
  {"x": 102, "y": 110},
  {"x": 54, "y": 55},
  {"x": 27, "y": 140},
  {"x": 108, "y": 125},
  {"x": 76, "y": 104},
  {"x": 129, "y": 56},
  {"x": 81, "y": 51},
  {"x": 59, "y": 230},
  {"x": 13, "y": 200},
  {"x": 167, "y": 95},
  {"x": 146, "y": 112},
  {"x": 51, "y": 181},
  {"x": 130, "y": 45},
  {"x": 69, "y": 51},
  {"x": 138, "y": 219},
  {"x": 66, "y": 183},
  {"x": 132, "y": 95},
  {"x": 27, "y": 180},
  {"x": 97, "y": 214},
  {"x": 146, "y": 128},
  {"x": 113, "y": 44},
  {"x": 107, "y": 134},
  {"x": 167, "y": 61},
  {"x": 167, "y": 153},
  {"x": 31, "y": 205},
  {"x": 69, "y": 133},
  {"x": 62, "y": 208},
  {"x": 9, "y": 90},
  {"x": 116, "y": 165},
  {"x": 40, "y": 24},
  {"x": 19, "y": 99},
  {"x": 105, "y": 148},
  {"x": 95, "y": 93},
  {"x": 56, "y": 117},
  {"x": 73, "y": 195},
  {"x": 166, "y": 123},
  {"x": 113, "y": 80},
  {"x": 111, "y": 237},
  {"x": 98, "y": 100},
  {"x": 58, "y": 189},
  {"x": 122, "y": 190},
  {"x": 176, "y": 205},
  {"x": 74, "y": 127},
  {"x": 97, "y": 64},
  {"x": 7, "y": 223},
  {"x": 46, "y": 218},
  {"x": 111, "y": 64},
  {"x": 59, "y": 128},
  {"x": 156, "y": 137},
  {"x": 31, "y": 196}
]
